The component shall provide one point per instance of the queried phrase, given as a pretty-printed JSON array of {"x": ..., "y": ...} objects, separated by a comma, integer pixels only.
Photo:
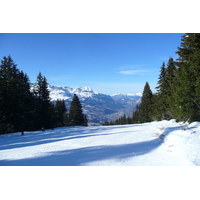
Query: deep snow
[{"x": 164, "y": 143}]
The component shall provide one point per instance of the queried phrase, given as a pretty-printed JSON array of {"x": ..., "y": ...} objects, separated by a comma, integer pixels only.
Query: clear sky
[{"x": 107, "y": 62}]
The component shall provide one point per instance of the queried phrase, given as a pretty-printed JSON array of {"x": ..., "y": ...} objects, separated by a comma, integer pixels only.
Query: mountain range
[{"x": 98, "y": 107}]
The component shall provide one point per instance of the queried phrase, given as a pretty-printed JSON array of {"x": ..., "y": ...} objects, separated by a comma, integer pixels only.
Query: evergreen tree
[
  {"x": 76, "y": 116},
  {"x": 136, "y": 113},
  {"x": 15, "y": 97},
  {"x": 120, "y": 121},
  {"x": 117, "y": 122},
  {"x": 157, "y": 108},
  {"x": 170, "y": 88},
  {"x": 60, "y": 113},
  {"x": 106, "y": 123},
  {"x": 187, "y": 87},
  {"x": 162, "y": 79},
  {"x": 129, "y": 120},
  {"x": 27, "y": 103},
  {"x": 44, "y": 111},
  {"x": 159, "y": 99},
  {"x": 163, "y": 98},
  {"x": 171, "y": 74},
  {"x": 146, "y": 105},
  {"x": 85, "y": 120}
]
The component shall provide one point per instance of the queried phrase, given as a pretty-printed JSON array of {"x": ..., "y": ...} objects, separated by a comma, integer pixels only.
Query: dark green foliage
[
  {"x": 177, "y": 96},
  {"x": 178, "y": 88},
  {"x": 146, "y": 104},
  {"x": 15, "y": 97},
  {"x": 125, "y": 119},
  {"x": 21, "y": 109},
  {"x": 136, "y": 114},
  {"x": 162, "y": 79},
  {"x": 163, "y": 99},
  {"x": 76, "y": 116},
  {"x": 142, "y": 113},
  {"x": 187, "y": 88},
  {"x": 61, "y": 116},
  {"x": 85, "y": 120},
  {"x": 159, "y": 99},
  {"x": 24, "y": 109},
  {"x": 106, "y": 123},
  {"x": 44, "y": 111},
  {"x": 170, "y": 75}
]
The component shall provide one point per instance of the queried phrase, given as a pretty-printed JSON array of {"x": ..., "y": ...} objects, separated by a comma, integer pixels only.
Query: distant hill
[{"x": 97, "y": 106}]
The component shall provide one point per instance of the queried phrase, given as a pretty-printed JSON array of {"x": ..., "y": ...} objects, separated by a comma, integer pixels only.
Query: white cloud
[{"x": 133, "y": 72}]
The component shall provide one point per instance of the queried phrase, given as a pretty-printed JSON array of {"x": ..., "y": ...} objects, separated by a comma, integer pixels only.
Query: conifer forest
[
  {"x": 27, "y": 106},
  {"x": 178, "y": 88}
]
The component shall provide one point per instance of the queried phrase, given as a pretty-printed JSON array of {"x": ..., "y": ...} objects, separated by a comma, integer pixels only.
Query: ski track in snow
[{"x": 163, "y": 143}]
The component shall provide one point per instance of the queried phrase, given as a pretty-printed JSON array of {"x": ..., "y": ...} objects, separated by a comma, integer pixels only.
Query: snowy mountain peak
[
  {"x": 86, "y": 89},
  {"x": 83, "y": 91},
  {"x": 129, "y": 96},
  {"x": 97, "y": 106},
  {"x": 133, "y": 95},
  {"x": 66, "y": 92},
  {"x": 126, "y": 95}
]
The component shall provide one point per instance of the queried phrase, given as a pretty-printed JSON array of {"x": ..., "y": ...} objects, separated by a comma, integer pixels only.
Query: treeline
[
  {"x": 142, "y": 113},
  {"x": 178, "y": 88},
  {"x": 26, "y": 106}
]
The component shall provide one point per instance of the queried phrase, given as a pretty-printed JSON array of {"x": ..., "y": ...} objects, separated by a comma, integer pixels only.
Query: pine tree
[
  {"x": 135, "y": 116},
  {"x": 76, "y": 116},
  {"x": 146, "y": 105},
  {"x": 157, "y": 108},
  {"x": 129, "y": 120},
  {"x": 60, "y": 113},
  {"x": 159, "y": 99},
  {"x": 187, "y": 88},
  {"x": 44, "y": 111},
  {"x": 162, "y": 79},
  {"x": 85, "y": 120},
  {"x": 26, "y": 103},
  {"x": 106, "y": 123},
  {"x": 171, "y": 74},
  {"x": 163, "y": 98},
  {"x": 15, "y": 97}
]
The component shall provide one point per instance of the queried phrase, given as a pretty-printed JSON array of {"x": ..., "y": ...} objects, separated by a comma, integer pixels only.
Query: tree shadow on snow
[
  {"x": 82, "y": 156},
  {"x": 15, "y": 140}
]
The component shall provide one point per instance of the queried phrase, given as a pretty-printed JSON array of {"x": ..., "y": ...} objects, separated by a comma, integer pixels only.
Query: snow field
[{"x": 164, "y": 143}]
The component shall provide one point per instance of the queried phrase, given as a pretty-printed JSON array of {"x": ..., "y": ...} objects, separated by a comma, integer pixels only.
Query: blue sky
[{"x": 107, "y": 62}]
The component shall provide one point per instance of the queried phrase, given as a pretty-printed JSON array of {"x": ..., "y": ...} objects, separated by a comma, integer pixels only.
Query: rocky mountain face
[{"x": 97, "y": 106}]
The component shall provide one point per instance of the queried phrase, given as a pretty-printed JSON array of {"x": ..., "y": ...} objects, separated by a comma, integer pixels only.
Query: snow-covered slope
[{"x": 164, "y": 143}]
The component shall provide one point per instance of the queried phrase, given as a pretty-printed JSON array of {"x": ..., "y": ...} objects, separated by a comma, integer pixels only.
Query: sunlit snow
[{"x": 164, "y": 143}]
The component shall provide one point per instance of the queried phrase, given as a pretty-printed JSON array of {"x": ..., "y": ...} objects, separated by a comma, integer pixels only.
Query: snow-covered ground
[{"x": 164, "y": 143}]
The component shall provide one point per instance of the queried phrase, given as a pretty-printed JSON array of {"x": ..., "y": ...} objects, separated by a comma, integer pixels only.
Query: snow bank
[{"x": 194, "y": 125}]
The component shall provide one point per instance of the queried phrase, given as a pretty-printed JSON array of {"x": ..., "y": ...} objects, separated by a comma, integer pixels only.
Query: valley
[{"x": 98, "y": 107}]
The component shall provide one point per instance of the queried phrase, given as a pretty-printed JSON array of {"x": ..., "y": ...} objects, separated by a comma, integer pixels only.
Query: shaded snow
[{"x": 164, "y": 143}]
